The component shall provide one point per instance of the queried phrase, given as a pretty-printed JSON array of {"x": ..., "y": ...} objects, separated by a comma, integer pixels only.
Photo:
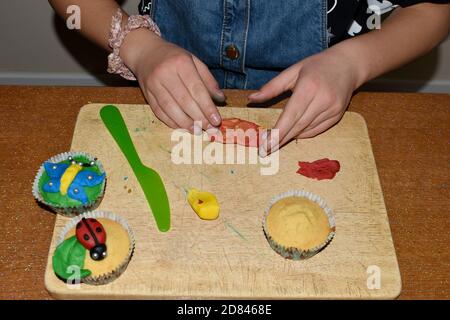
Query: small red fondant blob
[
  {"x": 319, "y": 169},
  {"x": 238, "y": 131}
]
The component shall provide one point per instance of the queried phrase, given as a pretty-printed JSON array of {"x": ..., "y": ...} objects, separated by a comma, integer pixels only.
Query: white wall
[{"x": 36, "y": 48}]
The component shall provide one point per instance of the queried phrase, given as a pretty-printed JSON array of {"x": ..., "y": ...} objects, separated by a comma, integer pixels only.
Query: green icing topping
[
  {"x": 58, "y": 199},
  {"x": 70, "y": 253}
]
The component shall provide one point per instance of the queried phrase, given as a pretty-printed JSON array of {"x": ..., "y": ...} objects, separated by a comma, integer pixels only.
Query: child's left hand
[{"x": 322, "y": 86}]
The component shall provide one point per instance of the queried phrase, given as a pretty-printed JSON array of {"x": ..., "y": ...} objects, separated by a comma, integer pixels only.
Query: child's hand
[
  {"x": 177, "y": 85},
  {"x": 322, "y": 86}
]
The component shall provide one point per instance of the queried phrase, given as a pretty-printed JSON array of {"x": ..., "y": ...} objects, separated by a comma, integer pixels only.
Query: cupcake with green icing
[
  {"x": 70, "y": 183},
  {"x": 93, "y": 248}
]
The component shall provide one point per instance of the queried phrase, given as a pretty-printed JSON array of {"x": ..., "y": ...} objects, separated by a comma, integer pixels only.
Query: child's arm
[
  {"x": 322, "y": 84},
  {"x": 177, "y": 84}
]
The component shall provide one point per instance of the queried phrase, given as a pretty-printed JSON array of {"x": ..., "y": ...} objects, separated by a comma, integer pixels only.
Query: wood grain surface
[
  {"x": 230, "y": 257},
  {"x": 409, "y": 135}
]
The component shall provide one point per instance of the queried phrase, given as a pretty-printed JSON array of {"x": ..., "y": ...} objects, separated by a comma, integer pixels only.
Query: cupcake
[
  {"x": 93, "y": 248},
  {"x": 70, "y": 183},
  {"x": 298, "y": 224}
]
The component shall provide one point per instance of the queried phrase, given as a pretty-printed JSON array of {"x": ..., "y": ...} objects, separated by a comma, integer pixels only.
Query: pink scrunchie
[{"x": 117, "y": 35}]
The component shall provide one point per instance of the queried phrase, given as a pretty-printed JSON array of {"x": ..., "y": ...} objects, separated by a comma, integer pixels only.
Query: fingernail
[
  {"x": 254, "y": 95},
  {"x": 264, "y": 136},
  {"x": 262, "y": 151},
  {"x": 272, "y": 145},
  {"x": 211, "y": 129},
  {"x": 215, "y": 118},
  {"x": 196, "y": 130},
  {"x": 219, "y": 96},
  {"x": 220, "y": 93}
]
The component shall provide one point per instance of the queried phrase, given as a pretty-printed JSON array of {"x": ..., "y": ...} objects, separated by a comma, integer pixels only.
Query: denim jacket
[{"x": 245, "y": 43}]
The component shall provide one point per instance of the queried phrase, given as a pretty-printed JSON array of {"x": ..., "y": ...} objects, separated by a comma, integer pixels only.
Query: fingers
[
  {"x": 184, "y": 100},
  {"x": 180, "y": 95},
  {"x": 332, "y": 110},
  {"x": 304, "y": 121},
  {"x": 197, "y": 89},
  {"x": 292, "y": 112},
  {"x": 159, "y": 113},
  {"x": 211, "y": 84},
  {"x": 325, "y": 115},
  {"x": 172, "y": 109},
  {"x": 314, "y": 131},
  {"x": 281, "y": 83}
]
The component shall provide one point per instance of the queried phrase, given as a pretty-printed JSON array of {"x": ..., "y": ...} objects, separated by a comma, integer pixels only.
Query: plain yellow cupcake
[
  {"x": 298, "y": 222},
  {"x": 297, "y": 226}
]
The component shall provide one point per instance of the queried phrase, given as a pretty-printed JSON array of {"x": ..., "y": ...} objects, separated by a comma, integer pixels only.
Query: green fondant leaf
[{"x": 68, "y": 255}]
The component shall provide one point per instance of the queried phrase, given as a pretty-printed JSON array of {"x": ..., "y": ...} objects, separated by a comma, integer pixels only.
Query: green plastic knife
[{"x": 148, "y": 178}]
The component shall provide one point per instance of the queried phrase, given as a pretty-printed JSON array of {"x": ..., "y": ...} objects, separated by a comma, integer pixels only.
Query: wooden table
[{"x": 410, "y": 135}]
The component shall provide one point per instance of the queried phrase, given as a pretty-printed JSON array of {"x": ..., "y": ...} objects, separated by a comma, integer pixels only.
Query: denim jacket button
[{"x": 232, "y": 52}]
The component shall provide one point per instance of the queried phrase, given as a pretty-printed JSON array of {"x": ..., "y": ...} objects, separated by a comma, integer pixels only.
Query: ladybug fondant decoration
[{"x": 91, "y": 234}]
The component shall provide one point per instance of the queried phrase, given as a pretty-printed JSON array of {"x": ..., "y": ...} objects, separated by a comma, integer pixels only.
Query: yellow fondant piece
[
  {"x": 68, "y": 176},
  {"x": 204, "y": 204}
]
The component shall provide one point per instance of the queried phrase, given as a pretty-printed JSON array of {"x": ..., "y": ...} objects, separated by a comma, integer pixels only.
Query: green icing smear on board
[
  {"x": 68, "y": 257},
  {"x": 58, "y": 199}
]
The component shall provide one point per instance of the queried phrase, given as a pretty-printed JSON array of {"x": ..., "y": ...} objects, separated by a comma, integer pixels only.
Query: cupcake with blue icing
[{"x": 70, "y": 183}]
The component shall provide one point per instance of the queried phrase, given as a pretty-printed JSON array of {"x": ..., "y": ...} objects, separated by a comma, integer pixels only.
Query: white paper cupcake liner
[
  {"x": 113, "y": 274},
  {"x": 70, "y": 211},
  {"x": 296, "y": 253}
]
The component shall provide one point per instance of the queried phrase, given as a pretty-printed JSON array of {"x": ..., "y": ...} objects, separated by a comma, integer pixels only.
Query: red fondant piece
[
  {"x": 234, "y": 130},
  {"x": 319, "y": 169}
]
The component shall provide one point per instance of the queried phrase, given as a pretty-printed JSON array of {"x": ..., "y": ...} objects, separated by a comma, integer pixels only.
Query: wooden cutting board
[{"x": 230, "y": 257}]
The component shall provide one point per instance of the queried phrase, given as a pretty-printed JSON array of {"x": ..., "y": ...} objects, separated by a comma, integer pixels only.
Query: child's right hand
[{"x": 177, "y": 85}]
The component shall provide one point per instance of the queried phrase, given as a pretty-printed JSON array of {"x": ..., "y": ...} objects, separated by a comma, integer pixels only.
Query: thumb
[
  {"x": 209, "y": 81},
  {"x": 283, "y": 82}
]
